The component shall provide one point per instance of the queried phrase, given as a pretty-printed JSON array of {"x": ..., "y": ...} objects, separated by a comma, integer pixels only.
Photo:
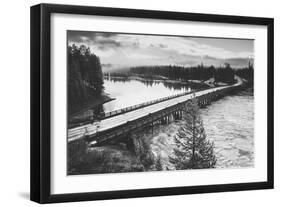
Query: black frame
[{"x": 40, "y": 102}]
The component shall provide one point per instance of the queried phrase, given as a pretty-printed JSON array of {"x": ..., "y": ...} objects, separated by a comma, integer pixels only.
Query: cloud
[
  {"x": 133, "y": 50},
  {"x": 207, "y": 57},
  {"x": 107, "y": 44},
  {"x": 107, "y": 65},
  {"x": 80, "y": 36}
]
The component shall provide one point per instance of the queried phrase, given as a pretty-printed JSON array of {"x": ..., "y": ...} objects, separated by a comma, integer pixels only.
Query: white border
[{"x": 60, "y": 183}]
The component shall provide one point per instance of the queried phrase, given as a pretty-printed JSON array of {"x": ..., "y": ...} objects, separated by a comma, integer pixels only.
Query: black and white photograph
[
  {"x": 131, "y": 103},
  {"x": 152, "y": 102}
]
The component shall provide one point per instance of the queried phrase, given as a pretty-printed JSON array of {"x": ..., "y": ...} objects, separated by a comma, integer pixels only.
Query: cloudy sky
[{"x": 125, "y": 50}]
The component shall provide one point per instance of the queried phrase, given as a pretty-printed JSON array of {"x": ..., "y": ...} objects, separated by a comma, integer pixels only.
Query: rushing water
[
  {"x": 229, "y": 122},
  {"x": 129, "y": 92}
]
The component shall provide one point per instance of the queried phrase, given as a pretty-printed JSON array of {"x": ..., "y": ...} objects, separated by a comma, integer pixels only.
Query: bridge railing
[
  {"x": 89, "y": 118},
  {"x": 131, "y": 125},
  {"x": 141, "y": 105},
  {"x": 203, "y": 99}
]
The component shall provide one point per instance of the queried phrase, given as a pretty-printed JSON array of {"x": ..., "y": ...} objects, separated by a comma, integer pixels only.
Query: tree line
[
  {"x": 223, "y": 73},
  {"x": 85, "y": 78},
  {"x": 247, "y": 73}
]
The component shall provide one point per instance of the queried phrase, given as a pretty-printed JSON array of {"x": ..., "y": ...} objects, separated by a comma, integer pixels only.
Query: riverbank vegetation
[
  {"x": 200, "y": 72},
  {"x": 224, "y": 73},
  {"x": 247, "y": 73},
  {"x": 130, "y": 155},
  {"x": 85, "y": 78}
]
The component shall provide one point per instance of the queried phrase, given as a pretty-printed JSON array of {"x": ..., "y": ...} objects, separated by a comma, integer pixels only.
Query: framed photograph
[{"x": 133, "y": 103}]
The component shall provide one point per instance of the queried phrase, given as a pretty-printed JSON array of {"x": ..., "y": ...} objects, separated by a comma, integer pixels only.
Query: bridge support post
[
  {"x": 171, "y": 117},
  {"x": 180, "y": 114}
]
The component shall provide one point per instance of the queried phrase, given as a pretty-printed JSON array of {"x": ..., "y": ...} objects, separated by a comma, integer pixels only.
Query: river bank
[
  {"x": 129, "y": 154},
  {"x": 86, "y": 111},
  {"x": 159, "y": 79}
]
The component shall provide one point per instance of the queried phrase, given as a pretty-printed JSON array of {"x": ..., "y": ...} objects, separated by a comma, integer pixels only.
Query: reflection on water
[
  {"x": 230, "y": 123},
  {"x": 129, "y": 92}
]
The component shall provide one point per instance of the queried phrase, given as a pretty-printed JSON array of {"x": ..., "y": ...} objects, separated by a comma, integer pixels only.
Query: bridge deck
[{"x": 118, "y": 120}]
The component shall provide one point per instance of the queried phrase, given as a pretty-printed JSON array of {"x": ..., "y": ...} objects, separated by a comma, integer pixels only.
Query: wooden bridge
[{"x": 163, "y": 111}]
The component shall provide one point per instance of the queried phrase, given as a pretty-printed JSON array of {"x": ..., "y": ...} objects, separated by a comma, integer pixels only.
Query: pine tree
[
  {"x": 158, "y": 164},
  {"x": 193, "y": 149}
]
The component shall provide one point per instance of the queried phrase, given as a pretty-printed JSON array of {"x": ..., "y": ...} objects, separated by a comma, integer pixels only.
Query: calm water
[
  {"x": 230, "y": 123},
  {"x": 128, "y": 92}
]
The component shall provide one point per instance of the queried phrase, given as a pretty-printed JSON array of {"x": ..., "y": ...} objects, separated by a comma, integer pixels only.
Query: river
[
  {"x": 229, "y": 122},
  {"x": 129, "y": 92}
]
